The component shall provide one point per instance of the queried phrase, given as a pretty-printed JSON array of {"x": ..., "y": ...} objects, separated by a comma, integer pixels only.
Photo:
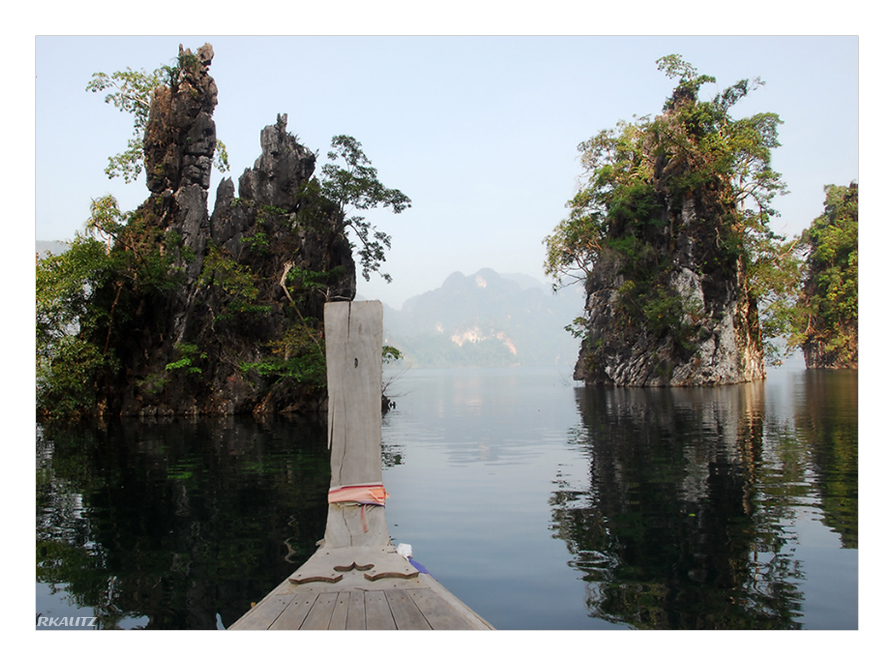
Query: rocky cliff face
[
  {"x": 719, "y": 340},
  {"x": 819, "y": 355},
  {"x": 252, "y": 277}
]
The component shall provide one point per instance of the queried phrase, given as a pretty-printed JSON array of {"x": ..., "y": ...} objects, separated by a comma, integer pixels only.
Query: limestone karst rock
[
  {"x": 668, "y": 302},
  {"x": 234, "y": 295}
]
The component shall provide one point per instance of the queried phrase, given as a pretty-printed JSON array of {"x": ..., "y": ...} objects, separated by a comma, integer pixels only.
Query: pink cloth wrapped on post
[{"x": 361, "y": 494}]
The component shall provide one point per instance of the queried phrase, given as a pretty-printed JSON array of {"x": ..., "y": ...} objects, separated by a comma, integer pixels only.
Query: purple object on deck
[{"x": 420, "y": 567}]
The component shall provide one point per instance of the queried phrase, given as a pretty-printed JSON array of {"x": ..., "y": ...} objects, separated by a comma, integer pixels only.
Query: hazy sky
[{"x": 480, "y": 132}]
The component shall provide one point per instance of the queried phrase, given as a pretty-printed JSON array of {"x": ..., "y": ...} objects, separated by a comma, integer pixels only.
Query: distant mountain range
[{"x": 486, "y": 320}]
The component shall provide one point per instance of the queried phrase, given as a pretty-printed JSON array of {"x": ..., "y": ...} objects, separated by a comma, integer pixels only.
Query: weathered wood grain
[
  {"x": 339, "y": 612},
  {"x": 345, "y": 526},
  {"x": 331, "y": 565},
  {"x": 357, "y": 604},
  {"x": 356, "y": 610},
  {"x": 404, "y": 610},
  {"x": 378, "y": 612},
  {"x": 293, "y": 615},
  {"x": 320, "y": 614},
  {"x": 353, "y": 372}
]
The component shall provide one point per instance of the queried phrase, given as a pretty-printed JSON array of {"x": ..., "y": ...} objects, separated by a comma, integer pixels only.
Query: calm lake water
[{"x": 540, "y": 503}]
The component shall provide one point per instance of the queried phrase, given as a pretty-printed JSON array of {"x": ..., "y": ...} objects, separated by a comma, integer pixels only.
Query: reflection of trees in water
[
  {"x": 828, "y": 420},
  {"x": 672, "y": 532},
  {"x": 392, "y": 454},
  {"x": 181, "y": 521}
]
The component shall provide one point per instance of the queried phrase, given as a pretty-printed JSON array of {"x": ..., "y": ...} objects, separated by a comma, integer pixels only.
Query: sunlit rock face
[
  {"x": 181, "y": 136},
  {"x": 282, "y": 169},
  {"x": 475, "y": 335}
]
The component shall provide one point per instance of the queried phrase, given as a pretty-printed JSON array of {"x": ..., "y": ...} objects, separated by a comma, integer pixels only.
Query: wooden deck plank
[
  {"x": 404, "y": 610},
  {"x": 437, "y": 614},
  {"x": 320, "y": 614},
  {"x": 339, "y": 613},
  {"x": 293, "y": 615},
  {"x": 378, "y": 612},
  {"x": 356, "y": 610},
  {"x": 357, "y": 603}
]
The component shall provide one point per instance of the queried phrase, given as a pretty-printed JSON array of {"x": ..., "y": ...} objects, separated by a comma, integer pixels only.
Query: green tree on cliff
[
  {"x": 85, "y": 298},
  {"x": 825, "y": 319},
  {"x": 68, "y": 359},
  {"x": 621, "y": 165},
  {"x": 351, "y": 182},
  {"x": 634, "y": 172},
  {"x": 130, "y": 92}
]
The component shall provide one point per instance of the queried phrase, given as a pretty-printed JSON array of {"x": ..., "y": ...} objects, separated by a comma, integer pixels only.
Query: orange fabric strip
[{"x": 362, "y": 494}]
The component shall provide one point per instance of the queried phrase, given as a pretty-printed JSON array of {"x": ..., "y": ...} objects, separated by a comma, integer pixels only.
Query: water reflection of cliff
[
  {"x": 177, "y": 523},
  {"x": 673, "y": 531},
  {"x": 828, "y": 419}
]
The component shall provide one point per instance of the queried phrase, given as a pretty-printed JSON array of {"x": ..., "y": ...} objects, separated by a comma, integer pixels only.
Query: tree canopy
[
  {"x": 351, "y": 182},
  {"x": 85, "y": 298},
  {"x": 700, "y": 141},
  {"x": 636, "y": 179},
  {"x": 825, "y": 318}
]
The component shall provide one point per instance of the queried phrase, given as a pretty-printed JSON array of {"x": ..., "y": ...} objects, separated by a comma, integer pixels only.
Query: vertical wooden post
[{"x": 353, "y": 371}]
